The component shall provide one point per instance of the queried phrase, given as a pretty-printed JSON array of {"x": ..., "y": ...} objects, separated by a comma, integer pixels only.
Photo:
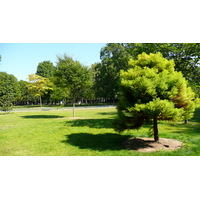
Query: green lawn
[{"x": 53, "y": 133}]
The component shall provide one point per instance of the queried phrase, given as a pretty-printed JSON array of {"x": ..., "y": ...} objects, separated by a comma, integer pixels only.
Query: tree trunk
[
  {"x": 40, "y": 101},
  {"x": 73, "y": 108},
  {"x": 155, "y": 129},
  {"x": 186, "y": 121}
]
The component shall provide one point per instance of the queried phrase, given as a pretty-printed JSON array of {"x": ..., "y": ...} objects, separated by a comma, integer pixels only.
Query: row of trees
[
  {"x": 69, "y": 80},
  {"x": 115, "y": 57}
]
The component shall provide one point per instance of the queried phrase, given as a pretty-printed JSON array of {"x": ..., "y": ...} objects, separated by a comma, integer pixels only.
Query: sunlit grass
[{"x": 54, "y": 133}]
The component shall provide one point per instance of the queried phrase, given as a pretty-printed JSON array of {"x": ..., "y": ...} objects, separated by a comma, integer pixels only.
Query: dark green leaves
[
  {"x": 9, "y": 90},
  {"x": 71, "y": 75},
  {"x": 45, "y": 69}
]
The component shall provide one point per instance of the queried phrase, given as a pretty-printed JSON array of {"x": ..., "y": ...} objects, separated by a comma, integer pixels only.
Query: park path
[{"x": 38, "y": 109}]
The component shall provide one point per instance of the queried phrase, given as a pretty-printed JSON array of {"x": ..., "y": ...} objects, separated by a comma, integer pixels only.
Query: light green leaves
[
  {"x": 152, "y": 90},
  {"x": 38, "y": 84},
  {"x": 162, "y": 109}
]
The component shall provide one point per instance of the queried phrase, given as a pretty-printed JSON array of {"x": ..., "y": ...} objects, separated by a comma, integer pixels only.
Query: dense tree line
[
  {"x": 115, "y": 57},
  {"x": 70, "y": 81}
]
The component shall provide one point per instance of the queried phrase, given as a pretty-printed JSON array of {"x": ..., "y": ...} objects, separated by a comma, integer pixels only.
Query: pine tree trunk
[{"x": 155, "y": 129}]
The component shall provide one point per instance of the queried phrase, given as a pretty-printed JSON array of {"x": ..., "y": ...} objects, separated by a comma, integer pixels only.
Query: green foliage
[
  {"x": 9, "y": 90},
  {"x": 39, "y": 85},
  {"x": 186, "y": 56},
  {"x": 45, "y": 69},
  {"x": 6, "y": 103},
  {"x": 59, "y": 94},
  {"x": 153, "y": 90},
  {"x": 115, "y": 57},
  {"x": 72, "y": 76},
  {"x": 105, "y": 81},
  {"x": 25, "y": 94}
]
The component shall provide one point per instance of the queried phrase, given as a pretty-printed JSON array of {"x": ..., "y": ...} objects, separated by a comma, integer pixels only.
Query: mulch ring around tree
[{"x": 149, "y": 145}]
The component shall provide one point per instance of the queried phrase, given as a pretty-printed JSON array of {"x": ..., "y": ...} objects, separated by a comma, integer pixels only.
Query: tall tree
[
  {"x": 71, "y": 75},
  {"x": 185, "y": 55},
  {"x": 39, "y": 85},
  {"x": 152, "y": 90},
  {"x": 45, "y": 69},
  {"x": 106, "y": 80},
  {"x": 9, "y": 90},
  {"x": 115, "y": 57}
]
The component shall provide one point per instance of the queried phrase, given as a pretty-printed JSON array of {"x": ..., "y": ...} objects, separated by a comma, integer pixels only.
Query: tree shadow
[
  {"x": 107, "y": 113},
  {"x": 92, "y": 123},
  {"x": 196, "y": 117},
  {"x": 42, "y": 116},
  {"x": 187, "y": 129},
  {"x": 190, "y": 129},
  {"x": 100, "y": 142},
  {"x": 138, "y": 143},
  {"x": 108, "y": 141}
]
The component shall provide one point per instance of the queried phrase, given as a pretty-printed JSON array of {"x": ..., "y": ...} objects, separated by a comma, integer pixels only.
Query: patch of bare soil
[{"x": 149, "y": 145}]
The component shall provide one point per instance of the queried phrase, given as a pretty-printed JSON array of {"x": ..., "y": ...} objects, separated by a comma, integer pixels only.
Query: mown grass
[{"x": 54, "y": 133}]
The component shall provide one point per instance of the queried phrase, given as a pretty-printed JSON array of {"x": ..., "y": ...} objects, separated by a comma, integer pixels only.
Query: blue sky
[{"x": 22, "y": 59}]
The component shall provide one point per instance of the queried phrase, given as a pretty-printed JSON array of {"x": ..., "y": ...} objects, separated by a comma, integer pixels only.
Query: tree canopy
[
  {"x": 39, "y": 85},
  {"x": 115, "y": 57},
  {"x": 104, "y": 76},
  {"x": 153, "y": 90},
  {"x": 45, "y": 69},
  {"x": 186, "y": 56},
  {"x": 9, "y": 90},
  {"x": 25, "y": 94},
  {"x": 72, "y": 76}
]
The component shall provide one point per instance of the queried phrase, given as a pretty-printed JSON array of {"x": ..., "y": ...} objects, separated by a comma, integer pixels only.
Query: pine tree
[{"x": 152, "y": 90}]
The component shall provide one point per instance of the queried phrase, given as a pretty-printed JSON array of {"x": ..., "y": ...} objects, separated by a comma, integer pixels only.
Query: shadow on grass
[
  {"x": 100, "y": 142},
  {"x": 108, "y": 113},
  {"x": 92, "y": 123},
  {"x": 190, "y": 129},
  {"x": 42, "y": 116},
  {"x": 196, "y": 117}
]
